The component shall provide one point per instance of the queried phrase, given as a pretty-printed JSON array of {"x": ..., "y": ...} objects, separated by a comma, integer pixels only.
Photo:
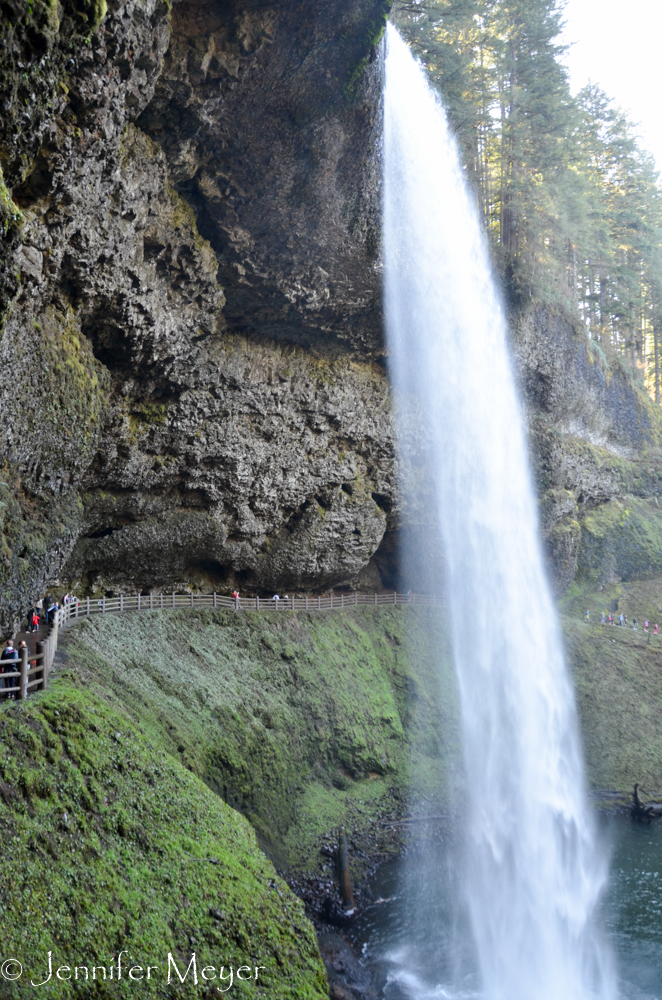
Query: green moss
[
  {"x": 75, "y": 392},
  {"x": 110, "y": 782},
  {"x": 272, "y": 711},
  {"x": 108, "y": 845},
  {"x": 10, "y": 213},
  {"x": 143, "y": 415},
  {"x": 30, "y": 528},
  {"x": 362, "y": 43},
  {"x": 622, "y": 540},
  {"x": 183, "y": 217}
]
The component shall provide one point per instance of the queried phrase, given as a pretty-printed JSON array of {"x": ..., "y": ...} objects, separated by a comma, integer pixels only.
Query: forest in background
[{"x": 570, "y": 201}]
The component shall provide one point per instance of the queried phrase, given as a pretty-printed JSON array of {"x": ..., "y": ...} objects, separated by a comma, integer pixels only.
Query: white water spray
[{"x": 531, "y": 871}]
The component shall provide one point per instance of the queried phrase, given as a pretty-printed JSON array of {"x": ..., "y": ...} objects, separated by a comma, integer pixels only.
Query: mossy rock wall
[
  {"x": 304, "y": 722},
  {"x": 621, "y": 540},
  {"x": 111, "y": 844},
  {"x": 618, "y": 683},
  {"x": 112, "y": 782}
]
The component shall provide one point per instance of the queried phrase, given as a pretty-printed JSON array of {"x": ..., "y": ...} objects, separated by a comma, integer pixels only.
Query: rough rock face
[
  {"x": 191, "y": 374},
  {"x": 190, "y": 411},
  {"x": 595, "y": 434},
  {"x": 269, "y": 122}
]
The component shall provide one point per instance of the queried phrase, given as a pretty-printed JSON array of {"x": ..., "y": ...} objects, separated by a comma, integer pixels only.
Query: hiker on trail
[
  {"x": 646, "y": 626},
  {"x": 9, "y": 653},
  {"x": 275, "y": 599},
  {"x": 587, "y": 616},
  {"x": 611, "y": 618},
  {"x": 625, "y": 620},
  {"x": 235, "y": 598},
  {"x": 35, "y": 621},
  {"x": 50, "y": 612},
  {"x": 620, "y": 619},
  {"x": 635, "y": 624},
  {"x": 602, "y": 619}
]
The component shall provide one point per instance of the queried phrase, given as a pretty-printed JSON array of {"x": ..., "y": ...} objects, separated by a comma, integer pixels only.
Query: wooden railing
[
  {"x": 31, "y": 671},
  {"x": 76, "y": 610}
]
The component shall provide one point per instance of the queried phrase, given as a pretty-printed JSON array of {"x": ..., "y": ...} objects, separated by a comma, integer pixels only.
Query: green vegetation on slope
[
  {"x": 621, "y": 540},
  {"x": 110, "y": 844},
  {"x": 618, "y": 683},
  {"x": 303, "y": 722}
]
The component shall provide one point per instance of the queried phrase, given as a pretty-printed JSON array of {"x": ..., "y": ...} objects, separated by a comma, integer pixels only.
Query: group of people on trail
[
  {"x": 44, "y": 611},
  {"x": 12, "y": 654},
  {"x": 607, "y": 618}
]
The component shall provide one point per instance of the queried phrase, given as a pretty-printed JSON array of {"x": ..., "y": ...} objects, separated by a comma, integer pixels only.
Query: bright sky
[{"x": 618, "y": 47}]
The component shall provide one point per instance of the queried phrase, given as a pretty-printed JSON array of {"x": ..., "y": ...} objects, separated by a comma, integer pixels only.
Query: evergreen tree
[{"x": 571, "y": 204}]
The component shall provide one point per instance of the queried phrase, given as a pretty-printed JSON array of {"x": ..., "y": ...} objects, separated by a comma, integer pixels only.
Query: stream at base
[{"x": 442, "y": 966}]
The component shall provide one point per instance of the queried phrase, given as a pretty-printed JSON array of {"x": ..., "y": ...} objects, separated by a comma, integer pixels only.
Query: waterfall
[{"x": 530, "y": 869}]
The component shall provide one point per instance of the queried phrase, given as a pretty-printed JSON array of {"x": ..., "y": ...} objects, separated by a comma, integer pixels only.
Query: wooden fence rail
[
  {"x": 76, "y": 610},
  {"x": 31, "y": 672}
]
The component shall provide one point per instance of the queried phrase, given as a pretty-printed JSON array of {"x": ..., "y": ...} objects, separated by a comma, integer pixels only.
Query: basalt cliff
[{"x": 193, "y": 379}]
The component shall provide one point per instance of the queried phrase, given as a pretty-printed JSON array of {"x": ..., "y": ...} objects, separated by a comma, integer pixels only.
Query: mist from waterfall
[{"x": 530, "y": 870}]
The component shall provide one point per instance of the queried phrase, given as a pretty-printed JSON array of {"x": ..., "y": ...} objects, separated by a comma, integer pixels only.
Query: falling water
[{"x": 531, "y": 872}]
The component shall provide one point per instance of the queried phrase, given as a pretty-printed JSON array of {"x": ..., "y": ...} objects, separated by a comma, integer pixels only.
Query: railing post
[
  {"x": 87, "y": 607},
  {"x": 173, "y": 600},
  {"x": 257, "y": 603},
  {"x": 214, "y": 598},
  {"x": 121, "y": 602},
  {"x": 342, "y": 600},
  {"x": 319, "y": 602},
  {"x": 161, "y": 605},
  {"x": 23, "y": 692},
  {"x": 395, "y": 597},
  {"x": 306, "y": 602},
  {"x": 44, "y": 677},
  {"x": 138, "y": 602},
  {"x": 191, "y": 600}
]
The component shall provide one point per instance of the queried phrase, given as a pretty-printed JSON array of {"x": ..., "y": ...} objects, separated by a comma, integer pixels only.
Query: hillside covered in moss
[
  {"x": 112, "y": 783},
  {"x": 303, "y": 722},
  {"x": 112, "y": 845}
]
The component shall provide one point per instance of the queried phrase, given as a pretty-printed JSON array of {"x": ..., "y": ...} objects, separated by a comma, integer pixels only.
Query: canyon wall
[{"x": 192, "y": 371}]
